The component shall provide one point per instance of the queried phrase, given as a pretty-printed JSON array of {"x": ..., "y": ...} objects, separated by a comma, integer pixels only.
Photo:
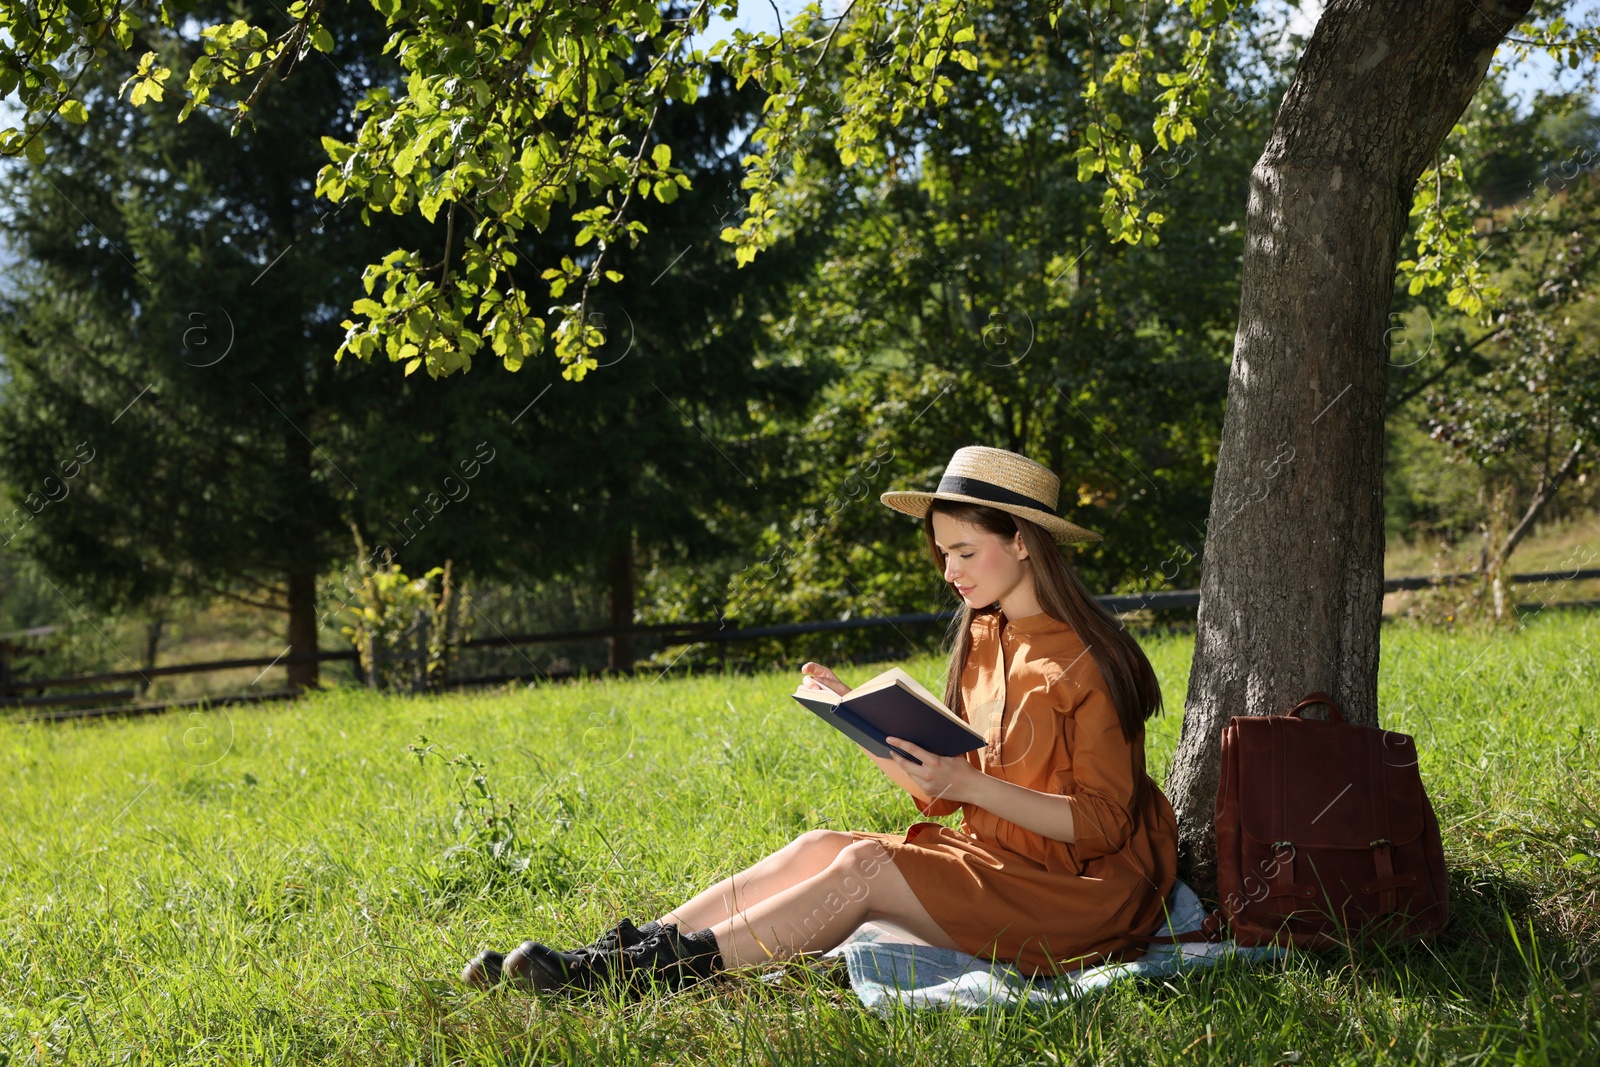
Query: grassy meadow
[{"x": 298, "y": 884}]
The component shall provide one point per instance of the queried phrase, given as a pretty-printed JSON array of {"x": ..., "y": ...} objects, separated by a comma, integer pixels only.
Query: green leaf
[
  {"x": 337, "y": 150},
  {"x": 73, "y": 111},
  {"x": 661, "y": 156},
  {"x": 123, "y": 31},
  {"x": 36, "y": 150}
]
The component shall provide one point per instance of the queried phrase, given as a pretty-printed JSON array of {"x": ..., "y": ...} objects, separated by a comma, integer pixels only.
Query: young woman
[{"x": 1066, "y": 846}]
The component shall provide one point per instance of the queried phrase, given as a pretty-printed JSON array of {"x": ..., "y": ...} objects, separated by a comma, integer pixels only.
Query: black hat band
[{"x": 997, "y": 494}]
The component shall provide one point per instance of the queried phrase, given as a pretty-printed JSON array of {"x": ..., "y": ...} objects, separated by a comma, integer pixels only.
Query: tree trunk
[
  {"x": 619, "y": 575},
  {"x": 1292, "y": 575},
  {"x": 302, "y": 629},
  {"x": 152, "y": 645},
  {"x": 1543, "y": 493},
  {"x": 302, "y": 574}
]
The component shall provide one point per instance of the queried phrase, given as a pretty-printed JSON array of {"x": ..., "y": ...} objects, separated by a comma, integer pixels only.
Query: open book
[{"x": 893, "y": 704}]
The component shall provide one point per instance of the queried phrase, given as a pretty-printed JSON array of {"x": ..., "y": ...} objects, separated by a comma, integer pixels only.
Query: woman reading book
[{"x": 1066, "y": 847}]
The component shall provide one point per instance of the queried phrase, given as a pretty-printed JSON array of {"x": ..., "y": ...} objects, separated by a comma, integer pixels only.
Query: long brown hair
[{"x": 1135, "y": 690}]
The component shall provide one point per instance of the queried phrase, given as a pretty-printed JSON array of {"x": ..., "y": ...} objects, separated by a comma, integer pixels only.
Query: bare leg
[
  {"x": 861, "y": 884},
  {"x": 804, "y": 857}
]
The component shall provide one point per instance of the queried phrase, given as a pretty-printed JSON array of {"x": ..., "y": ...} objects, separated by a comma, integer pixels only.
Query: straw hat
[{"x": 1000, "y": 479}]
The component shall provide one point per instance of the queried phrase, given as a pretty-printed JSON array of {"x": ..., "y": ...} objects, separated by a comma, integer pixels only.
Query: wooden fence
[{"x": 30, "y": 694}]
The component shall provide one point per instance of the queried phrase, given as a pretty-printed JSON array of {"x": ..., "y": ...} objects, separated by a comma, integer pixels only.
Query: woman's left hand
[{"x": 941, "y": 777}]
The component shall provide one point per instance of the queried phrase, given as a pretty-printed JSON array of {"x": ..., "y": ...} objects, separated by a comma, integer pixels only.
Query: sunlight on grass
[{"x": 298, "y": 884}]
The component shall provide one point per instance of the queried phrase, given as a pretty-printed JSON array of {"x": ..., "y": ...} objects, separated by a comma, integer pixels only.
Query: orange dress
[{"x": 1007, "y": 893}]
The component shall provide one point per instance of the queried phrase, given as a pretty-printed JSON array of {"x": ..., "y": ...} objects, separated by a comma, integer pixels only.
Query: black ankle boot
[
  {"x": 487, "y": 968},
  {"x": 678, "y": 959},
  {"x": 621, "y": 936},
  {"x": 484, "y": 969},
  {"x": 540, "y": 968},
  {"x": 665, "y": 954}
]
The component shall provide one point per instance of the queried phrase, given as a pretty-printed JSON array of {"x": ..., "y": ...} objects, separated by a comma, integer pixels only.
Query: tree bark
[
  {"x": 619, "y": 574},
  {"x": 302, "y": 629},
  {"x": 1292, "y": 570}
]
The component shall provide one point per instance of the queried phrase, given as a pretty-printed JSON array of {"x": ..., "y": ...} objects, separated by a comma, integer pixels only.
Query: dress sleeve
[
  {"x": 1103, "y": 795},
  {"x": 937, "y": 807}
]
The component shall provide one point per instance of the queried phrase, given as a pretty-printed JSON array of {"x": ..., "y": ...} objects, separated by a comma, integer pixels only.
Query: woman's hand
[
  {"x": 938, "y": 777},
  {"x": 816, "y": 676}
]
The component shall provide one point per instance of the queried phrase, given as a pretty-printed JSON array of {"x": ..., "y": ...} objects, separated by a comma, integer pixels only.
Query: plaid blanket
[{"x": 889, "y": 967}]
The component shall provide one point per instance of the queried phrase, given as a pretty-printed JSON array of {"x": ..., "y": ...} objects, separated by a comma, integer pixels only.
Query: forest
[{"x": 191, "y": 475}]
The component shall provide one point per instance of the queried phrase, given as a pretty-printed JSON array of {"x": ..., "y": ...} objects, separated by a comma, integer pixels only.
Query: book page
[
  {"x": 877, "y": 682},
  {"x": 822, "y": 693},
  {"x": 896, "y": 676},
  {"x": 891, "y": 677}
]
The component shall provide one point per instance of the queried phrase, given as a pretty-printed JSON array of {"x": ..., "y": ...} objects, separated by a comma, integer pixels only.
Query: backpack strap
[{"x": 1382, "y": 859}]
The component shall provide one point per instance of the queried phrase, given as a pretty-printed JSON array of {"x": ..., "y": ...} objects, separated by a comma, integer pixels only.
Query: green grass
[{"x": 306, "y": 897}]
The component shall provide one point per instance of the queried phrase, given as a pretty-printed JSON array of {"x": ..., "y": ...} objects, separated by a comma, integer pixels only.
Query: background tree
[
  {"x": 666, "y": 453},
  {"x": 1528, "y": 412},
  {"x": 169, "y": 336},
  {"x": 970, "y": 295},
  {"x": 237, "y": 471},
  {"x": 1506, "y": 172}
]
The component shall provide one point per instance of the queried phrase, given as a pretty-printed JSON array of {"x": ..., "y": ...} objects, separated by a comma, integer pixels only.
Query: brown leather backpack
[{"x": 1324, "y": 834}]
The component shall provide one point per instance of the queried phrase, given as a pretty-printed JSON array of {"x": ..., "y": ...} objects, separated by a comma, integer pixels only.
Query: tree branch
[{"x": 1540, "y": 499}]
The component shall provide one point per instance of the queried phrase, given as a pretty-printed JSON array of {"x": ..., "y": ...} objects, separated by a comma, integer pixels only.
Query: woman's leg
[
  {"x": 803, "y": 858},
  {"x": 860, "y": 884}
]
